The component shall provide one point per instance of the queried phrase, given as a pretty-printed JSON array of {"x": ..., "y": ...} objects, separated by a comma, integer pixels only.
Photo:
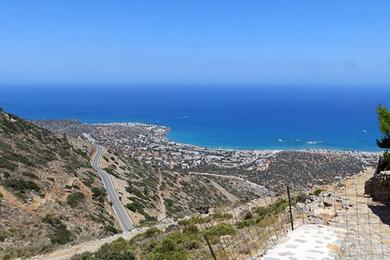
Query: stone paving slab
[{"x": 310, "y": 242}]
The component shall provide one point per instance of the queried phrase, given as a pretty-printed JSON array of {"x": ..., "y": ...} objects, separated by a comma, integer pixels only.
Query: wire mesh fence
[{"x": 342, "y": 204}]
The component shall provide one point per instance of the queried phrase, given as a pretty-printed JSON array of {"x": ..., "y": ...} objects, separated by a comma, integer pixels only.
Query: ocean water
[{"x": 240, "y": 117}]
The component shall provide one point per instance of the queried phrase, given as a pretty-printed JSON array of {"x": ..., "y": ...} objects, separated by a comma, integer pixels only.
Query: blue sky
[{"x": 310, "y": 42}]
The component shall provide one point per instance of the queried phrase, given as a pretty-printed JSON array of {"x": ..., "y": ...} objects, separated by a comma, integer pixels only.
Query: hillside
[
  {"x": 151, "y": 194},
  {"x": 49, "y": 194}
]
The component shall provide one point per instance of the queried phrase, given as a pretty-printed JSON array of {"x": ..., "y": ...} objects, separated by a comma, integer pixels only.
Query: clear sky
[{"x": 73, "y": 42}]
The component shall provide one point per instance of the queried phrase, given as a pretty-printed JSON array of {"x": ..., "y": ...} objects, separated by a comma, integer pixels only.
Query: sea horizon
[{"x": 284, "y": 118}]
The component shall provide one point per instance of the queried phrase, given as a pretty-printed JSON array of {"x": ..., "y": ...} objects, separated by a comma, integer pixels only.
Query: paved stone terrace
[{"x": 310, "y": 242}]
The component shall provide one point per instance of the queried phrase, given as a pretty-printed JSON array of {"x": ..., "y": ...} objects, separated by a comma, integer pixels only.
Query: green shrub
[
  {"x": 247, "y": 223},
  {"x": 3, "y": 235},
  {"x": 133, "y": 190},
  {"x": 5, "y": 146},
  {"x": 6, "y": 164},
  {"x": 118, "y": 250},
  {"x": 219, "y": 215},
  {"x": 191, "y": 229},
  {"x": 149, "y": 220},
  {"x": 279, "y": 206},
  {"x": 384, "y": 162},
  {"x": 89, "y": 180},
  {"x": 98, "y": 193},
  {"x": 75, "y": 198},
  {"x": 168, "y": 249},
  {"x": 184, "y": 222},
  {"x": 301, "y": 197},
  {"x": 84, "y": 256},
  {"x": 61, "y": 234},
  {"x": 151, "y": 232},
  {"x": 318, "y": 191},
  {"x": 1, "y": 195},
  {"x": 110, "y": 228},
  {"x": 30, "y": 175},
  {"x": 111, "y": 171},
  {"x": 219, "y": 230},
  {"x": 21, "y": 185},
  {"x": 135, "y": 206}
]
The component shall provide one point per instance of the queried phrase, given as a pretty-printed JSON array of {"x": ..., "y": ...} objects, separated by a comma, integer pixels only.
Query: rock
[
  {"x": 246, "y": 214},
  {"x": 328, "y": 202},
  {"x": 300, "y": 207},
  {"x": 378, "y": 187},
  {"x": 313, "y": 198},
  {"x": 344, "y": 205},
  {"x": 324, "y": 212}
]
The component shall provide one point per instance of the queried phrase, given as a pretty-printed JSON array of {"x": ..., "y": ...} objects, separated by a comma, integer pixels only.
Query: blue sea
[{"x": 240, "y": 117}]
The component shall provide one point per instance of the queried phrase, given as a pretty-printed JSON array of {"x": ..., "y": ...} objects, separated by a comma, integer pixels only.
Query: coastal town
[{"x": 149, "y": 144}]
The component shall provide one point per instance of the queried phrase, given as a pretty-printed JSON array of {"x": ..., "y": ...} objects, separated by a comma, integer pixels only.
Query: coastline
[
  {"x": 227, "y": 149},
  {"x": 149, "y": 144}
]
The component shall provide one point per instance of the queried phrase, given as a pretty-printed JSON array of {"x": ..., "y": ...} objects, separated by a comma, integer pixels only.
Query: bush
[
  {"x": 3, "y": 235},
  {"x": 168, "y": 249},
  {"x": 246, "y": 223},
  {"x": 219, "y": 230},
  {"x": 301, "y": 197},
  {"x": 61, "y": 234},
  {"x": 1, "y": 195},
  {"x": 75, "y": 198},
  {"x": 151, "y": 232},
  {"x": 191, "y": 229},
  {"x": 99, "y": 194},
  {"x": 384, "y": 162},
  {"x": 149, "y": 220},
  {"x": 318, "y": 191},
  {"x": 31, "y": 175},
  {"x": 4, "y": 163},
  {"x": 118, "y": 250},
  {"x": 135, "y": 206},
  {"x": 219, "y": 215},
  {"x": 5, "y": 146},
  {"x": 83, "y": 256},
  {"x": 89, "y": 180},
  {"x": 110, "y": 228},
  {"x": 21, "y": 185}
]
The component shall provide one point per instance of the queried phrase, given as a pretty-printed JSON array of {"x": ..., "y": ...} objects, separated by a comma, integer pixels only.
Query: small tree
[{"x": 384, "y": 142}]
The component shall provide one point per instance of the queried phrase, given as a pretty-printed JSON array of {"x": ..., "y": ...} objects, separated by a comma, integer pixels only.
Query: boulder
[
  {"x": 378, "y": 187},
  {"x": 328, "y": 202}
]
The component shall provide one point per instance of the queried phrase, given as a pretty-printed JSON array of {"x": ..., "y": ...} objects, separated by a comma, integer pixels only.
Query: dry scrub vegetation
[{"x": 49, "y": 194}]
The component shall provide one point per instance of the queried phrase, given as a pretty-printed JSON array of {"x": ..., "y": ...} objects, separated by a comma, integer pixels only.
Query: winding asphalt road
[{"x": 124, "y": 219}]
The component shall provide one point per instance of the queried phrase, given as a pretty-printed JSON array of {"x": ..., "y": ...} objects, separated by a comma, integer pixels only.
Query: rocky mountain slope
[
  {"x": 49, "y": 194},
  {"x": 152, "y": 194}
]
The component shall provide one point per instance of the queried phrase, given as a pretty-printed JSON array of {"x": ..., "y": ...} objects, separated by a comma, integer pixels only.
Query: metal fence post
[
  {"x": 289, "y": 205},
  {"x": 210, "y": 247}
]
